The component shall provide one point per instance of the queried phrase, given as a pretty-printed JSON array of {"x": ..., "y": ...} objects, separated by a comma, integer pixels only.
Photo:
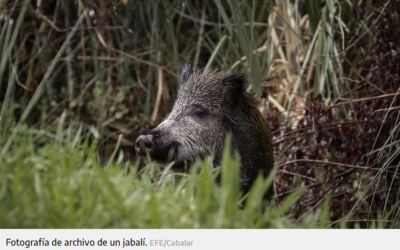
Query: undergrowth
[{"x": 62, "y": 185}]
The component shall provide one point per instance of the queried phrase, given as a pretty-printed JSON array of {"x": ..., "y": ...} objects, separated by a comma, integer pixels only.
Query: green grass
[{"x": 62, "y": 185}]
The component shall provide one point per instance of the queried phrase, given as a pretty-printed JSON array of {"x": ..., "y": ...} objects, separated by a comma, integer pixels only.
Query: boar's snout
[{"x": 143, "y": 144}]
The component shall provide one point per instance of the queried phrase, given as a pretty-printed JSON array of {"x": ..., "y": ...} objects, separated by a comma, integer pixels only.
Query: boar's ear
[
  {"x": 233, "y": 87},
  {"x": 187, "y": 71}
]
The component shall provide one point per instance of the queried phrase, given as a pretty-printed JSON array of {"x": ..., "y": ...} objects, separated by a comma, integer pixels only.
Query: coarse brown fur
[{"x": 209, "y": 105}]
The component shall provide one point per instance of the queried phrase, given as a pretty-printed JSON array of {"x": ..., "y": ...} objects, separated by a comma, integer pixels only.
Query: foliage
[
  {"x": 326, "y": 73},
  {"x": 62, "y": 185}
]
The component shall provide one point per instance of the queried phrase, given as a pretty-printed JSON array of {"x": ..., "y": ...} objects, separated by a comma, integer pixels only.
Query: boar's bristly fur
[{"x": 209, "y": 105}]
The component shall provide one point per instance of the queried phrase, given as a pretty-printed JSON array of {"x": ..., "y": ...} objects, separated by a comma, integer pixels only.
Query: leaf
[{"x": 327, "y": 100}]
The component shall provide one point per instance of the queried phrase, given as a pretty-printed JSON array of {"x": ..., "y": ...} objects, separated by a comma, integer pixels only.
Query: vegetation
[
  {"x": 80, "y": 80},
  {"x": 63, "y": 186}
]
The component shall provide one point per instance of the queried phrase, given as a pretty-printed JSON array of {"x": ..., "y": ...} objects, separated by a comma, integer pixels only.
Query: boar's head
[{"x": 199, "y": 120}]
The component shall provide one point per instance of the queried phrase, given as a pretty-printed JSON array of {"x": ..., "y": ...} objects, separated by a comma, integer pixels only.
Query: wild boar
[{"x": 209, "y": 105}]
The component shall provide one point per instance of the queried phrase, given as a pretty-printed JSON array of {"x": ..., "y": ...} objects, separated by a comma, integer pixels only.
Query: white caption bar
[{"x": 244, "y": 239}]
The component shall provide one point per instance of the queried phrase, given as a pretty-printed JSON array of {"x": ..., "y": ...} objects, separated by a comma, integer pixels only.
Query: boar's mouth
[
  {"x": 162, "y": 150},
  {"x": 169, "y": 152},
  {"x": 164, "y": 153}
]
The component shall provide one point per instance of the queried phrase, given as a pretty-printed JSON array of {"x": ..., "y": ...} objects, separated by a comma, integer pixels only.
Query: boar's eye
[{"x": 198, "y": 113}]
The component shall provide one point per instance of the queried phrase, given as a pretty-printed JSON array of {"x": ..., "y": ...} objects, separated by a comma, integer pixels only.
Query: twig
[
  {"x": 316, "y": 184},
  {"x": 362, "y": 78},
  {"x": 40, "y": 15},
  {"x": 178, "y": 26},
  {"x": 131, "y": 56},
  {"x": 70, "y": 69},
  {"x": 158, "y": 98},
  {"x": 60, "y": 30},
  {"x": 375, "y": 22},
  {"x": 203, "y": 16},
  {"x": 364, "y": 99},
  {"x": 296, "y": 174},
  {"x": 341, "y": 28},
  {"x": 217, "y": 24},
  {"x": 329, "y": 163}
]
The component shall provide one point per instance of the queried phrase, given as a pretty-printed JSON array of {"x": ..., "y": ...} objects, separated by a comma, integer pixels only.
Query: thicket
[{"x": 326, "y": 74}]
